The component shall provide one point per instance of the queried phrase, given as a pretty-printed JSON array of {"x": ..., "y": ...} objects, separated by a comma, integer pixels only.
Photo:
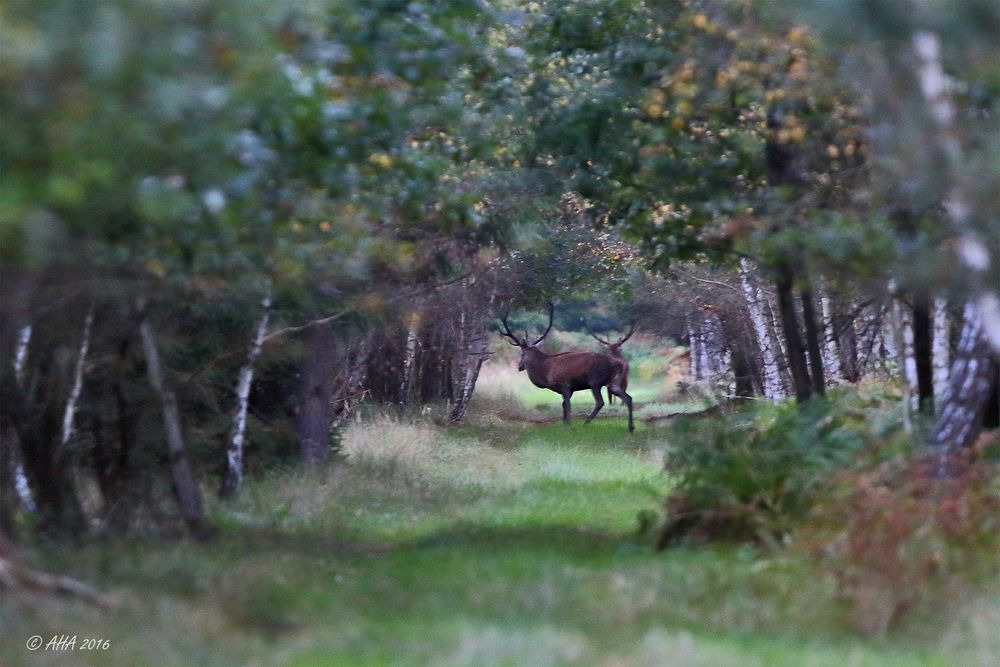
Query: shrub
[
  {"x": 755, "y": 474},
  {"x": 895, "y": 537}
]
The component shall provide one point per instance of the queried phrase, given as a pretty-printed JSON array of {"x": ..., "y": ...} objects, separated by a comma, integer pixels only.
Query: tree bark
[
  {"x": 773, "y": 388},
  {"x": 960, "y": 419},
  {"x": 846, "y": 337},
  {"x": 74, "y": 394},
  {"x": 232, "y": 477},
  {"x": 831, "y": 357},
  {"x": 15, "y": 465},
  {"x": 185, "y": 485},
  {"x": 694, "y": 352},
  {"x": 973, "y": 253},
  {"x": 794, "y": 349},
  {"x": 813, "y": 347},
  {"x": 942, "y": 350},
  {"x": 991, "y": 413},
  {"x": 909, "y": 369},
  {"x": 409, "y": 357},
  {"x": 315, "y": 391},
  {"x": 922, "y": 345},
  {"x": 897, "y": 334}
]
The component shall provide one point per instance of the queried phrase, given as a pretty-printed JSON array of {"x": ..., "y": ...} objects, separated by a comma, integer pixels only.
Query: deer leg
[
  {"x": 611, "y": 400},
  {"x": 598, "y": 403},
  {"x": 566, "y": 395},
  {"x": 627, "y": 400}
]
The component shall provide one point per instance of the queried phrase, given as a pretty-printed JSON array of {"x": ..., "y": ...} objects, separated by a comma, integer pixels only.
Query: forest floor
[{"x": 502, "y": 542}]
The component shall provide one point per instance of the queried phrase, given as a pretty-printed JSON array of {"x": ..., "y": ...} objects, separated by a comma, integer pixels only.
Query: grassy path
[{"x": 495, "y": 544}]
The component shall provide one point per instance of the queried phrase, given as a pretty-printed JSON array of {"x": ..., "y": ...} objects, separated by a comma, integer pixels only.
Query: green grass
[{"x": 498, "y": 543}]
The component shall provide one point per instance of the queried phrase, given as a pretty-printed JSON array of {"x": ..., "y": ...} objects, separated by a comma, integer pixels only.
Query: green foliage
[
  {"x": 756, "y": 474},
  {"x": 489, "y": 546}
]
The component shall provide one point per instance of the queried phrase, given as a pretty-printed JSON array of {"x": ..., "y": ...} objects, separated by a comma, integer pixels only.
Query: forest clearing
[
  {"x": 503, "y": 542},
  {"x": 500, "y": 332}
]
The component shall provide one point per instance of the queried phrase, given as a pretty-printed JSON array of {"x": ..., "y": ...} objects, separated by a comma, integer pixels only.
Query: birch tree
[
  {"x": 959, "y": 421},
  {"x": 941, "y": 350},
  {"x": 232, "y": 476},
  {"x": 831, "y": 356},
  {"x": 410, "y": 355}
]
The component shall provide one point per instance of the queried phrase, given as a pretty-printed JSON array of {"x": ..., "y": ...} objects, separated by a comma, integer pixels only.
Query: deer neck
[{"x": 537, "y": 365}]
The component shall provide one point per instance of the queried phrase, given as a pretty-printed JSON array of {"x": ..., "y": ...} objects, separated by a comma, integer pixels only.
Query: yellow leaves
[
  {"x": 325, "y": 226},
  {"x": 653, "y": 110},
  {"x": 797, "y": 34},
  {"x": 832, "y": 151},
  {"x": 677, "y": 123},
  {"x": 381, "y": 159},
  {"x": 791, "y": 136},
  {"x": 700, "y": 21},
  {"x": 726, "y": 75},
  {"x": 684, "y": 108},
  {"x": 798, "y": 71},
  {"x": 156, "y": 266}
]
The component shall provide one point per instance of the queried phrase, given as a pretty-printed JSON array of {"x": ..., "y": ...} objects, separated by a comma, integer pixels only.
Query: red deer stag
[
  {"x": 570, "y": 372},
  {"x": 614, "y": 349}
]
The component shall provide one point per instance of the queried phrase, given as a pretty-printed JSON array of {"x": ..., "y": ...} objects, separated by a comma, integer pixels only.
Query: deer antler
[
  {"x": 593, "y": 335},
  {"x": 631, "y": 330},
  {"x": 507, "y": 332},
  {"x": 552, "y": 310}
]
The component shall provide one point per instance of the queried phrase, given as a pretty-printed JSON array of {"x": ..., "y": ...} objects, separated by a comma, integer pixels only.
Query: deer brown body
[{"x": 570, "y": 372}]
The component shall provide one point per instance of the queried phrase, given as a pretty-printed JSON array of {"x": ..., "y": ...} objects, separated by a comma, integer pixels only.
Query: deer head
[
  {"x": 614, "y": 349},
  {"x": 523, "y": 342}
]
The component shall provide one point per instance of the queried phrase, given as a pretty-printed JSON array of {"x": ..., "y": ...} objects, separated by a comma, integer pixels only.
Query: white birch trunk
[
  {"x": 20, "y": 478},
  {"x": 21, "y": 353},
  {"x": 888, "y": 339},
  {"x": 831, "y": 358},
  {"x": 232, "y": 478},
  {"x": 897, "y": 336},
  {"x": 960, "y": 418},
  {"x": 704, "y": 359},
  {"x": 74, "y": 394},
  {"x": 941, "y": 350},
  {"x": 972, "y": 252},
  {"x": 909, "y": 369},
  {"x": 21, "y": 485},
  {"x": 777, "y": 342},
  {"x": 409, "y": 358}
]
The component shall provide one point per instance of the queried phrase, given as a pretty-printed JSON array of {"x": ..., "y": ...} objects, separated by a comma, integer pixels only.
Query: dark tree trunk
[
  {"x": 813, "y": 345},
  {"x": 8, "y": 470},
  {"x": 922, "y": 346},
  {"x": 991, "y": 414},
  {"x": 794, "y": 348},
  {"x": 184, "y": 483},
  {"x": 847, "y": 344},
  {"x": 960, "y": 419},
  {"x": 315, "y": 391},
  {"x": 741, "y": 372}
]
